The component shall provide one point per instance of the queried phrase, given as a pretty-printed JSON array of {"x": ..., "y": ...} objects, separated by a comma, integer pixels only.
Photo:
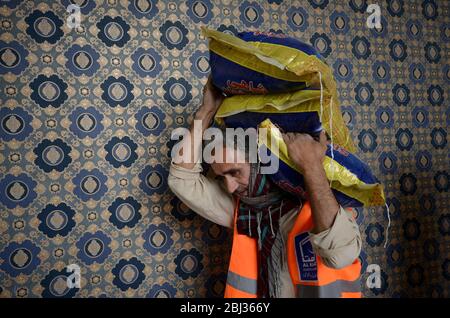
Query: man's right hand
[{"x": 212, "y": 97}]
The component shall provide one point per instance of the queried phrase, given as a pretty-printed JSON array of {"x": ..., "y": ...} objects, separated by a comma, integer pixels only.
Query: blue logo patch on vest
[{"x": 306, "y": 258}]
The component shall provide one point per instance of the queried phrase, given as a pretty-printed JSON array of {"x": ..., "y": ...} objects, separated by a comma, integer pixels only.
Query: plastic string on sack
[
  {"x": 389, "y": 224},
  {"x": 321, "y": 96},
  {"x": 331, "y": 143}
]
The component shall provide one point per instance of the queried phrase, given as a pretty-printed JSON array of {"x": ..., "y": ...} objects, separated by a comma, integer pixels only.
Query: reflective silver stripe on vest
[
  {"x": 242, "y": 283},
  {"x": 333, "y": 290}
]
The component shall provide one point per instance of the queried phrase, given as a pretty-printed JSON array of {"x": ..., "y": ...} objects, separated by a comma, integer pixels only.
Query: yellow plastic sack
[{"x": 351, "y": 180}]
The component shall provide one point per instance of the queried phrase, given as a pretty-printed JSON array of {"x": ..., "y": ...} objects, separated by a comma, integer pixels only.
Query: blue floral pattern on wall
[{"x": 85, "y": 121}]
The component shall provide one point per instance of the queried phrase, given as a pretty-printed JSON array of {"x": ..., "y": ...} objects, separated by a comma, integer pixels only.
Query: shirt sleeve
[
  {"x": 202, "y": 194},
  {"x": 339, "y": 245}
]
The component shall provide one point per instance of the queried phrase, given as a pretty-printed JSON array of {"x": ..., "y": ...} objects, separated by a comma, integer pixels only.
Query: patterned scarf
[{"x": 258, "y": 217}]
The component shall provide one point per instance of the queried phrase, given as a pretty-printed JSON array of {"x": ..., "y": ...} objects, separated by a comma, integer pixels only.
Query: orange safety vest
[{"x": 310, "y": 276}]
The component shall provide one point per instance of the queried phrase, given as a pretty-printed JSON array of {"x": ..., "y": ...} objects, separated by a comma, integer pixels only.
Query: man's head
[
  {"x": 231, "y": 159},
  {"x": 235, "y": 175}
]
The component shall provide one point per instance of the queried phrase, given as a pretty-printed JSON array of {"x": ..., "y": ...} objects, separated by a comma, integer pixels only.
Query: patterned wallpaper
[{"x": 85, "y": 121}]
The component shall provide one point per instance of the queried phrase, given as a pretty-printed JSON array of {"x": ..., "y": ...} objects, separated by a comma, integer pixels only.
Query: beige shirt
[{"x": 338, "y": 246}]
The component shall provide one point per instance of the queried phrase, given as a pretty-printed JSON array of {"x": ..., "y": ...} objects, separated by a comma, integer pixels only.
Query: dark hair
[{"x": 237, "y": 143}]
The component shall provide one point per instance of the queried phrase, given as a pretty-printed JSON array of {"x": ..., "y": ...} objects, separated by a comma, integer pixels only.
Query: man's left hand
[{"x": 304, "y": 150}]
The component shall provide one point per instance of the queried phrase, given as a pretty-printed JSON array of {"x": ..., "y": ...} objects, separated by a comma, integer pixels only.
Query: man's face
[{"x": 235, "y": 176}]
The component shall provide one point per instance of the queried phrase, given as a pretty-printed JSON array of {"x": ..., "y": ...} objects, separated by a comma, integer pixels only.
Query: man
[{"x": 283, "y": 246}]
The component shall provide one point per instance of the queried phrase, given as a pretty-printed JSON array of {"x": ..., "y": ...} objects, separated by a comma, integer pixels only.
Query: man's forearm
[
  {"x": 323, "y": 203},
  {"x": 206, "y": 116},
  {"x": 195, "y": 142}
]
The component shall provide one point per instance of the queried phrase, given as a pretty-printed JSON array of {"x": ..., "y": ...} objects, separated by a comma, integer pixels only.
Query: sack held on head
[
  {"x": 351, "y": 180},
  {"x": 254, "y": 64}
]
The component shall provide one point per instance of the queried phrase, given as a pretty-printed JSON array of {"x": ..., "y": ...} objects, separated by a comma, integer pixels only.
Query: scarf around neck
[{"x": 258, "y": 217}]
